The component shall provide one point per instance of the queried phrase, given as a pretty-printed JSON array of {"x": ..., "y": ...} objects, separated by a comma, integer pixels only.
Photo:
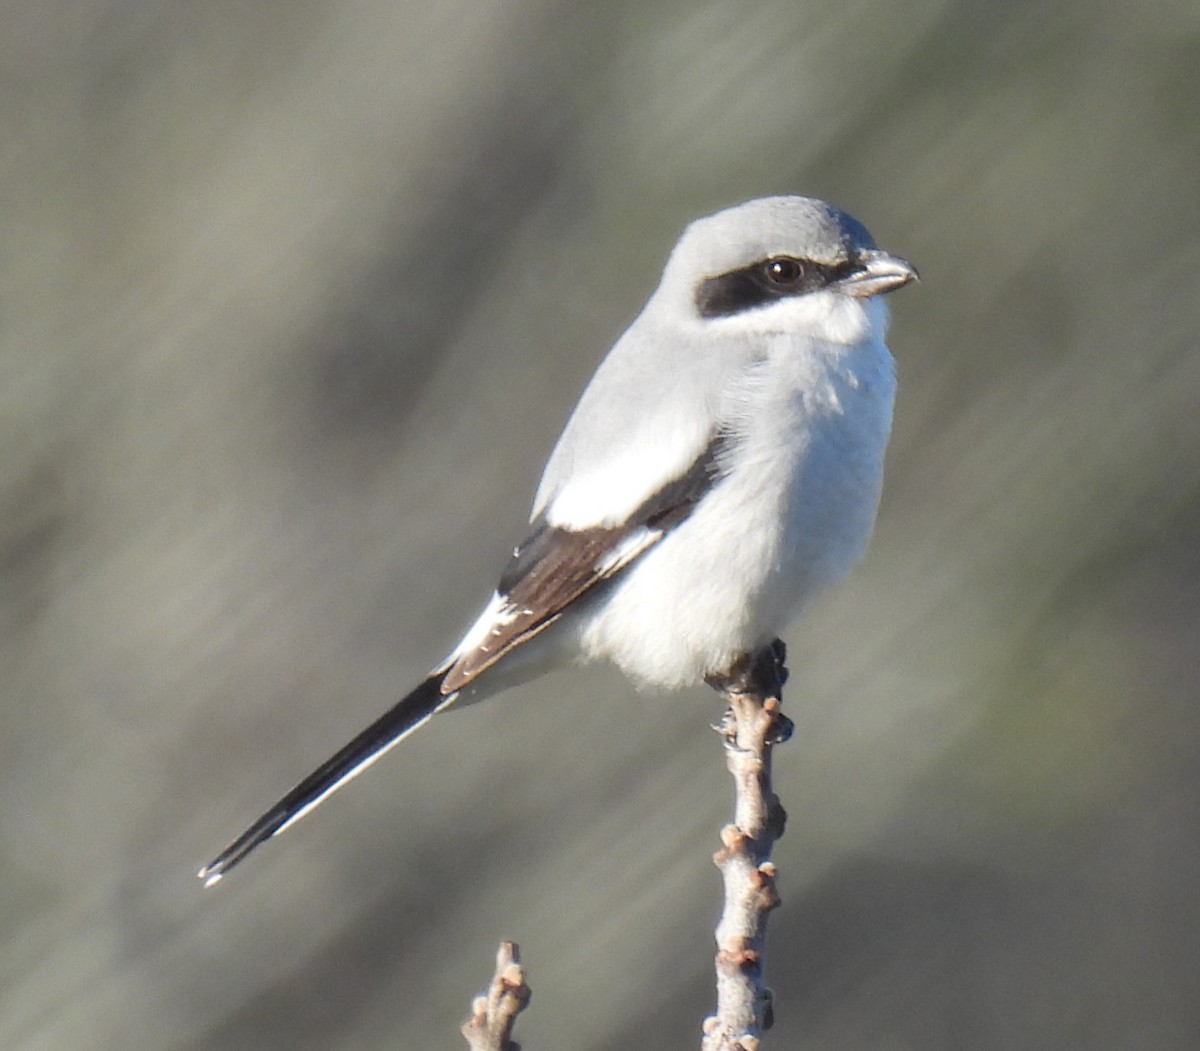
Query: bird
[{"x": 722, "y": 467}]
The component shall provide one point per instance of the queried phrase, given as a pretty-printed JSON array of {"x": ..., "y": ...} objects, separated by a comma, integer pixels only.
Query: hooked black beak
[{"x": 875, "y": 273}]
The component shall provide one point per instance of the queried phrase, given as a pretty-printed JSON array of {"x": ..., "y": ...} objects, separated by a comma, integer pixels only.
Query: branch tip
[
  {"x": 492, "y": 1015},
  {"x": 750, "y": 727}
]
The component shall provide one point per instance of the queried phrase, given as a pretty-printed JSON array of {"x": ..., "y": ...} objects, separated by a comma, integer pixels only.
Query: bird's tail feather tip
[{"x": 411, "y": 712}]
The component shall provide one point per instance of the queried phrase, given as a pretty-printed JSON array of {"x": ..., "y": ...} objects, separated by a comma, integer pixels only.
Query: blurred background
[{"x": 294, "y": 299}]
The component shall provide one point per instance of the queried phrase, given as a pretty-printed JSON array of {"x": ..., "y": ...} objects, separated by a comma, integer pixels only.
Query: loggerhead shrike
[{"x": 721, "y": 468}]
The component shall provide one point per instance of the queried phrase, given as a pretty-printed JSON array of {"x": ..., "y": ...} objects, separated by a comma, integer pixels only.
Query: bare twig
[
  {"x": 750, "y": 727},
  {"x": 492, "y": 1016}
]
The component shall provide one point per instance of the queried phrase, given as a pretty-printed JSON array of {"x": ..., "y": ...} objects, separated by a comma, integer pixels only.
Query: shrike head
[{"x": 779, "y": 264}]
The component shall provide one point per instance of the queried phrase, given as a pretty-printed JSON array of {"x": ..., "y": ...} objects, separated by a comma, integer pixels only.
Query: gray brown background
[{"x": 294, "y": 298}]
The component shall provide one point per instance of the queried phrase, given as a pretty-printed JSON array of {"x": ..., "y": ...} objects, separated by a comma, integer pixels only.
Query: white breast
[{"x": 792, "y": 513}]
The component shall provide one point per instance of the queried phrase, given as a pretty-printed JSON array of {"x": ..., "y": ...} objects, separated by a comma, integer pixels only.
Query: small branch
[
  {"x": 750, "y": 727},
  {"x": 492, "y": 1016}
]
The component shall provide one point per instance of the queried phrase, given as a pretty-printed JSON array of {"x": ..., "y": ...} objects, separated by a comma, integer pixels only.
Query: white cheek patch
[
  {"x": 849, "y": 321},
  {"x": 828, "y": 316}
]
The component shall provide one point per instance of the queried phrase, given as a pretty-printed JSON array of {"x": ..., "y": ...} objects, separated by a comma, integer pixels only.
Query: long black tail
[{"x": 387, "y": 731}]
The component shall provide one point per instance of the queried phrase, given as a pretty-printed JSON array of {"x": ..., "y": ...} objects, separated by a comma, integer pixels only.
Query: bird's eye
[{"x": 784, "y": 271}]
